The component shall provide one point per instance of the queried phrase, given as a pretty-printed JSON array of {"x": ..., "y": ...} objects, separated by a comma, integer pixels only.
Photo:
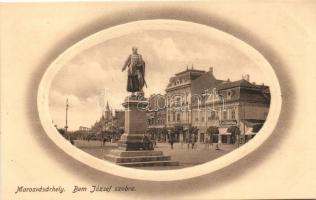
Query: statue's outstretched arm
[{"x": 127, "y": 62}]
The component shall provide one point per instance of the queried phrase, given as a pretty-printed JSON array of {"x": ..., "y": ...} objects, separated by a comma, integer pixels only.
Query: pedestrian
[
  {"x": 194, "y": 140},
  {"x": 171, "y": 139},
  {"x": 103, "y": 141},
  {"x": 207, "y": 143},
  {"x": 218, "y": 139},
  {"x": 145, "y": 141},
  {"x": 181, "y": 140},
  {"x": 154, "y": 142},
  {"x": 211, "y": 139},
  {"x": 187, "y": 140}
]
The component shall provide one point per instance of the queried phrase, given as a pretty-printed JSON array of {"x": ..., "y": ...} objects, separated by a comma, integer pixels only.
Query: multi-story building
[
  {"x": 231, "y": 103},
  {"x": 156, "y": 116},
  {"x": 183, "y": 88},
  {"x": 195, "y": 98}
]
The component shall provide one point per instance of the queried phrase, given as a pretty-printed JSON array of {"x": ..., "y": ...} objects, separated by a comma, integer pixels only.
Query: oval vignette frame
[{"x": 158, "y": 175}]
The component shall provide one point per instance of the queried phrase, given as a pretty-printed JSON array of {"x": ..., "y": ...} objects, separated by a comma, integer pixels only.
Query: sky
[{"x": 94, "y": 76}]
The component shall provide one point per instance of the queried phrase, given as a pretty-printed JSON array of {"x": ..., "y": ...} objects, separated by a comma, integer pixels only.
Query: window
[
  {"x": 178, "y": 117},
  {"x": 213, "y": 115},
  {"x": 229, "y": 94},
  {"x": 202, "y": 119},
  {"x": 173, "y": 116},
  {"x": 224, "y": 114},
  {"x": 196, "y": 119},
  {"x": 178, "y": 101},
  {"x": 233, "y": 114}
]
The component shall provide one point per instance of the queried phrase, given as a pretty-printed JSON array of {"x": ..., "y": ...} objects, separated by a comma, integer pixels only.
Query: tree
[
  {"x": 61, "y": 131},
  {"x": 235, "y": 132},
  {"x": 211, "y": 131}
]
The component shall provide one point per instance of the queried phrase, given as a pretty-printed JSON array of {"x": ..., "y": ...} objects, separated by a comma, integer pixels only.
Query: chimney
[
  {"x": 210, "y": 70},
  {"x": 246, "y": 77}
]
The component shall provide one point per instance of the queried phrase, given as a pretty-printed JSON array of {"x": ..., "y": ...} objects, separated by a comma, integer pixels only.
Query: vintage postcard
[{"x": 138, "y": 100}]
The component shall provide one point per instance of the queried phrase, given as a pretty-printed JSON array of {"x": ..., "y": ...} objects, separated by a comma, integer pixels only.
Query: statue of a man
[{"x": 136, "y": 73}]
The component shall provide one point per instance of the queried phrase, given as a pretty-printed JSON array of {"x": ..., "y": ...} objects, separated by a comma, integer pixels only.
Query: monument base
[
  {"x": 144, "y": 158},
  {"x": 131, "y": 142},
  {"x": 133, "y": 147}
]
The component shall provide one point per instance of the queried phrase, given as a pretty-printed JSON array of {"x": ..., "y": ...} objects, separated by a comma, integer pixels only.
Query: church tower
[{"x": 107, "y": 112}]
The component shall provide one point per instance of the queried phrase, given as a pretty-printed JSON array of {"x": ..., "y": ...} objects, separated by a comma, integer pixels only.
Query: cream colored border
[{"x": 163, "y": 175}]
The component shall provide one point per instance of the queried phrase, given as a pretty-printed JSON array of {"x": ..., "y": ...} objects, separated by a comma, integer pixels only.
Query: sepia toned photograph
[
  {"x": 161, "y": 99},
  {"x": 158, "y": 100}
]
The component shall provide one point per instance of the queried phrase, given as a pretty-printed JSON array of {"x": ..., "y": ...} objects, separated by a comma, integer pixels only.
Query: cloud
[
  {"x": 80, "y": 113},
  {"x": 85, "y": 79},
  {"x": 168, "y": 50}
]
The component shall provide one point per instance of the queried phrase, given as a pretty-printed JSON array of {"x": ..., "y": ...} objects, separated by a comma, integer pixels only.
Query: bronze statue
[{"x": 136, "y": 73}]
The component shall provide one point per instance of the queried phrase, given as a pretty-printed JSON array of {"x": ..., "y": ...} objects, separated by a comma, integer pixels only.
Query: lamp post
[
  {"x": 205, "y": 113},
  {"x": 66, "y": 126}
]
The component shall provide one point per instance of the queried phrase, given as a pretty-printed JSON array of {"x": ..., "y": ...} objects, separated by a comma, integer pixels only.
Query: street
[{"x": 186, "y": 157}]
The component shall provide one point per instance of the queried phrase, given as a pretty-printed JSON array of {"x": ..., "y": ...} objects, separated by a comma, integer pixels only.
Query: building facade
[
  {"x": 238, "y": 104},
  {"x": 197, "y": 100},
  {"x": 156, "y": 116},
  {"x": 182, "y": 91}
]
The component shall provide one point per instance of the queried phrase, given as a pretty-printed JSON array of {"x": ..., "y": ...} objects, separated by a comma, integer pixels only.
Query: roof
[
  {"x": 191, "y": 71},
  {"x": 239, "y": 83},
  {"x": 184, "y": 78},
  {"x": 254, "y": 96},
  {"x": 248, "y": 91},
  {"x": 206, "y": 81}
]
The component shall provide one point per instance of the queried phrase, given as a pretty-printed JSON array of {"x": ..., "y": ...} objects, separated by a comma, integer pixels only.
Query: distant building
[
  {"x": 119, "y": 119},
  {"x": 85, "y": 129},
  {"x": 109, "y": 122}
]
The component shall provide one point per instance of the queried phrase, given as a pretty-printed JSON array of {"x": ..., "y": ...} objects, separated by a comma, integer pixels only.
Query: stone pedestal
[
  {"x": 135, "y": 124},
  {"x": 141, "y": 158},
  {"x": 131, "y": 152}
]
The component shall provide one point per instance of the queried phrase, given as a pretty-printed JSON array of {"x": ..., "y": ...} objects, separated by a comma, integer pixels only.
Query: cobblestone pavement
[{"x": 187, "y": 157}]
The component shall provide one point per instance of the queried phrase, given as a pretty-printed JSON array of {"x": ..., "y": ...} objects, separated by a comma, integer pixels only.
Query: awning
[
  {"x": 250, "y": 132},
  {"x": 252, "y": 122},
  {"x": 223, "y": 131}
]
